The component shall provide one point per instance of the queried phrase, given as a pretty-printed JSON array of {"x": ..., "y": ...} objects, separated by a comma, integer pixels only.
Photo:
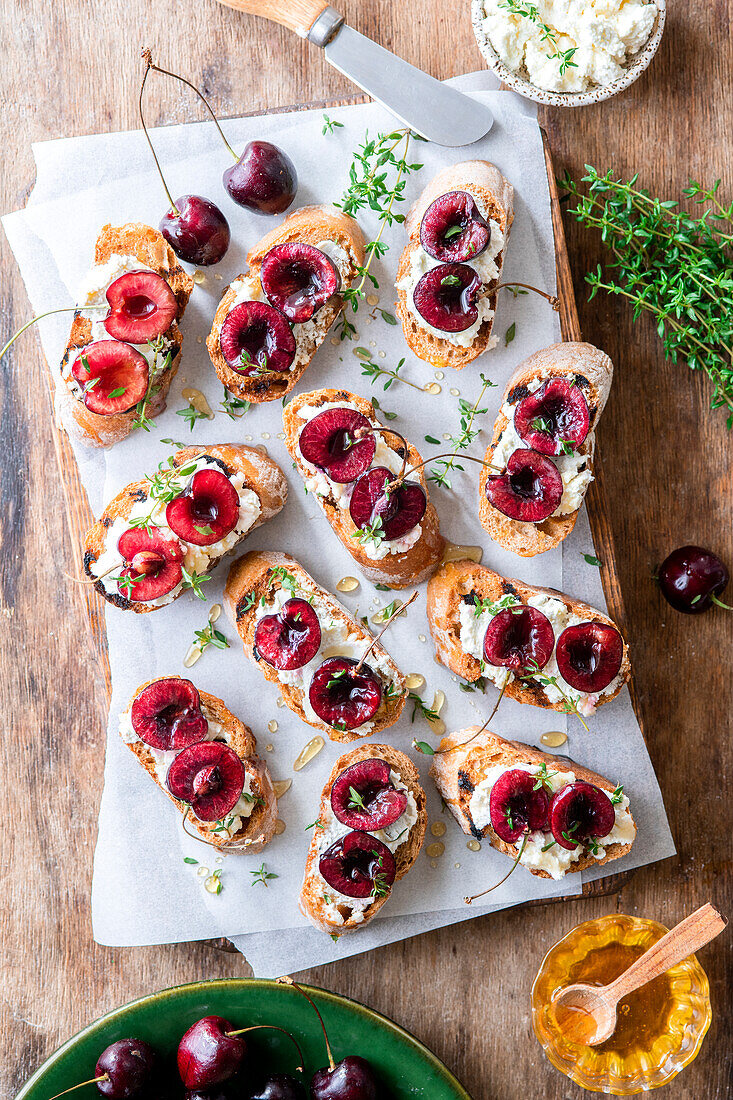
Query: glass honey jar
[{"x": 660, "y": 1027}]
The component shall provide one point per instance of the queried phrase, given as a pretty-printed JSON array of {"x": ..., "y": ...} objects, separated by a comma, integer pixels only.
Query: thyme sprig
[
  {"x": 532, "y": 672},
  {"x": 209, "y": 636},
  {"x": 547, "y": 34},
  {"x": 463, "y": 440},
  {"x": 374, "y": 372}
]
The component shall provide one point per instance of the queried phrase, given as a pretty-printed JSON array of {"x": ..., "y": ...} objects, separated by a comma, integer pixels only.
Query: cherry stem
[
  {"x": 439, "y": 752},
  {"x": 148, "y": 67},
  {"x": 271, "y": 1027},
  {"x": 513, "y": 868},
  {"x": 713, "y": 597},
  {"x": 211, "y": 843},
  {"x": 93, "y": 1081},
  {"x": 48, "y": 313},
  {"x": 285, "y": 980},
  {"x": 388, "y": 623},
  {"x": 433, "y": 458},
  {"x": 91, "y": 580},
  {"x": 551, "y": 298},
  {"x": 148, "y": 57}
]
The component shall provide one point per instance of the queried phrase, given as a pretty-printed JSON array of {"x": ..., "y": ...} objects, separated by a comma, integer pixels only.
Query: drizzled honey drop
[
  {"x": 438, "y": 828},
  {"x": 280, "y": 702},
  {"x": 436, "y": 849},
  {"x": 202, "y": 872},
  {"x": 272, "y": 726},
  {"x": 213, "y": 884},
  {"x": 474, "y": 845},
  {"x": 454, "y": 392},
  {"x": 306, "y": 754},
  {"x": 198, "y": 400},
  {"x": 433, "y": 388},
  {"x": 269, "y": 748},
  {"x": 421, "y": 638},
  {"x": 199, "y": 276},
  {"x": 335, "y": 341},
  {"x": 347, "y": 584},
  {"x": 372, "y": 300},
  {"x": 381, "y": 616},
  {"x": 279, "y": 827},
  {"x": 414, "y": 681},
  {"x": 439, "y": 374},
  {"x": 192, "y": 656},
  {"x": 454, "y": 551},
  {"x": 214, "y": 612},
  {"x": 281, "y": 786},
  {"x": 554, "y": 739}
]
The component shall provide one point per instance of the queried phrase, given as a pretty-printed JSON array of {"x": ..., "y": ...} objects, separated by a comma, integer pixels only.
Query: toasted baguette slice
[
  {"x": 495, "y": 195},
  {"x": 591, "y": 370},
  {"x": 312, "y": 901},
  {"x": 260, "y": 474},
  {"x": 152, "y": 250},
  {"x": 309, "y": 225},
  {"x": 459, "y": 771},
  {"x": 457, "y": 579},
  {"x": 254, "y": 831},
  {"x": 397, "y": 570},
  {"x": 257, "y": 576}
]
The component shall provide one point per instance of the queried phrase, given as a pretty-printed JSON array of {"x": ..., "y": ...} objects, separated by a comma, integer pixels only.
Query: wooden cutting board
[{"x": 80, "y": 517}]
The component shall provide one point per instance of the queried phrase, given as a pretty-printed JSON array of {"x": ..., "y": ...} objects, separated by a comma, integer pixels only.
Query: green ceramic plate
[{"x": 406, "y": 1068}]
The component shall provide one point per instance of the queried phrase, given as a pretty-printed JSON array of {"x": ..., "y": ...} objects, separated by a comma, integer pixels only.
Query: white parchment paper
[{"x": 143, "y": 891}]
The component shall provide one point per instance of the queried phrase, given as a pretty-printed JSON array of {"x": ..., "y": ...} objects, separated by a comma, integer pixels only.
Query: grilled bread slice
[
  {"x": 309, "y": 225},
  {"x": 252, "y": 832},
  {"x": 466, "y": 582},
  {"x": 494, "y": 196},
  {"x": 257, "y": 577},
  {"x": 334, "y": 914},
  {"x": 258, "y": 475},
  {"x": 465, "y": 759},
  {"x": 152, "y": 250},
  {"x": 410, "y": 566},
  {"x": 592, "y": 371}
]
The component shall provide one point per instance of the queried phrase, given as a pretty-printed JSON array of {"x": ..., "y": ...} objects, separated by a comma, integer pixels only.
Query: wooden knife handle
[{"x": 296, "y": 15}]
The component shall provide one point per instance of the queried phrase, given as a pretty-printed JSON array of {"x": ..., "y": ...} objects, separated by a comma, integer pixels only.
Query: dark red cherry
[
  {"x": 579, "y": 811},
  {"x": 342, "y": 697},
  {"x": 519, "y": 638},
  {"x": 298, "y": 279},
  {"x": 209, "y": 1053},
  {"x": 589, "y": 655},
  {"x": 364, "y": 797},
  {"x": 399, "y": 509},
  {"x": 290, "y": 638},
  {"x": 278, "y": 1086},
  {"x": 692, "y": 579},
  {"x": 446, "y": 296},
  {"x": 128, "y": 1065},
  {"x": 516, "y": 807},
  {"x": 229, "y": 1090},
  {"x": 341, "y": 442},
  {"x": 142, "y": 306},
  {"x": 350, "y": 1079},
  {"x": 530, "y": 489},
  {"x": 263, "y": 179},
  {"x": 167, "y": 714},
  {"x": 206, "y": 511},
  {"x": 152, "y": 563},
  {"x": 555, "y": 419},
  {"x": 358, "y": 865},
  {"x": 256, "y": 338},
  {"x": 113, "y": 376},
  {"x": 198, "y": 233},
  {"x": 210, "y": 776},
  {"x": 452, "y": 229}
]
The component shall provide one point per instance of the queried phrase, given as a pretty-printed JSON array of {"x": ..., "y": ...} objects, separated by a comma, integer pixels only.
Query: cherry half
[
  {"x": 342, "y": 697},
  {"x": 692, "y": 578},
  {"x": 298, "y": 279},
  {"x": 142, "y": 306},
  {"x": 364, "y": 797},
  {"x": 529, "y": 490},
  {"x": 206, "y": 511},
  {"x": 256, "y": 338},
  {"x": 210, "y": 777},
  {"x": 167, "y": 714},
  {"x": 358, "y": 866},
  {"x": 555, "y": 419},
  {"x": 341, "y": 442},
  {"x": 452, "y": 228},
  {"x": 446, "y": 296},
  {"x": 519, "y": 638},
  {"x": 263, "y": 179},
  {"x": 113, "y": 376},
  {"x": 578, "y": 812},
  {"x": 151, "y": 564},
  {"x": 399, "y": 508},
  {"x": 290, "y": 638},
  {"x": 196, "y": 230},
  {"x": 518, "y": 804},
  {"x": 589, "y": 655}
]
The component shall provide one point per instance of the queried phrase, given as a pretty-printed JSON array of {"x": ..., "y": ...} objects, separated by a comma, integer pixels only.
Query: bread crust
[
  {"x": 397, "y": 570},
  {"x": 251, "y": 575},
  {"x": 593, "y": 371},
  {"x": 483, "y": 180},
  {"x": 151, "y": 249},
  {"x": 458, "y": 578},
  {"x": 261, "y": 474},
  {"x": 458, "y": 771},
  {"x": 311, "y": 894},
  {"x": 259, "y": 827},
  {"x": 309, "y": 225}
]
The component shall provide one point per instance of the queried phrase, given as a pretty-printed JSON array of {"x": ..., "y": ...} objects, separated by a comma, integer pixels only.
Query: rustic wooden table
[{"x": 72, "y": 68}]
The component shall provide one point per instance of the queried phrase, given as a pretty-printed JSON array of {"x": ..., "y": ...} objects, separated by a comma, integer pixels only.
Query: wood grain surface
[{"x": 72, "y": 68}]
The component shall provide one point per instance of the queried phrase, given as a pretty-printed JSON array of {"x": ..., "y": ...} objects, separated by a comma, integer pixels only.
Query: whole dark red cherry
[
  {"x": 263, "y": 179},
  {"x": 692, "y": 578},
  {"x": 210, "y": 1052},
  {"x": 350, "y": 1079},
  {"x": 126, "y": 1068},
  {"x": 278, "y": 1086},
  {"x": 196, "y": 230}
]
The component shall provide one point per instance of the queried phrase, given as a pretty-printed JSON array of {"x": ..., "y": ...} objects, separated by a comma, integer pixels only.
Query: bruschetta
[
  {"x": 538, "y": 645},
  {"x": 369, "y": 832},
  {"x": 204, "y": 759},
  {"x": 303, "y": 640},
  {"x": 162, "y": 535},
  {"x": 272, "y": 319},
  {"x": 541, "y": 453},
  {"x": 350, "y": 463},
  {"x": 125, "y": 344},
  {"x": 450, "y": 269},
  {"x": 562, "y": 816}
]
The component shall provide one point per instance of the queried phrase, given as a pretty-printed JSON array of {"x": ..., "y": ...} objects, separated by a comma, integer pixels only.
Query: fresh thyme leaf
[
  {"x": 194, "y": 581},
  {"x": 190, "y": 859},
  {"x": 541, "y": 424},
  {"x": 592, "y": 561},
  {"x": 383, "y": 587},
  {"x": 511, "y": 332},
  {"x": 454, "y": 231},
  {"x": 433, "y": 440},
  {"x": 388, "y": 317},
  {"x": 450, "y": 280},
  {"x": 550, "y": 844},
  {"x": 373, "y": 532},
  {"x": 419, "y": 707},
  {"x": 617, "y": 795},
  {"x": 117, "y": 392},
  {"x": 262, "y": 875},
  {"x": 329, "y": 124},
  {"x": 191, "y": 414},
  {"x": 234, "y": 407},
  {"x": 383, "y": 412},
  {"x": 356, "y": 802},
  {"x": 209, "y": 636}
]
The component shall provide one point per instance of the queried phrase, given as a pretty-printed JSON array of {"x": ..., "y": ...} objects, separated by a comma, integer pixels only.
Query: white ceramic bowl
[{"x": 596, "y": 93}]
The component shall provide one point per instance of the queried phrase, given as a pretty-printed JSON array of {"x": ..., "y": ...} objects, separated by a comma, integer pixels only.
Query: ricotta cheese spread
[
  {"x": 321, "y": 485},
  {"x": 589, "y": 41},
  {"x": 542, "y": 852},
  {"x": 484, "y": 265}
]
